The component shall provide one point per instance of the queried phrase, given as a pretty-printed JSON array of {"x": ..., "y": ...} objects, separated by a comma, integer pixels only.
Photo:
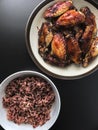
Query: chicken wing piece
[
  {"x": 90, "y": 17},
  {"x": 57, "y": 9},
  {"x": 45, "y": 34},
  {"x": 58, "y": 46},
  {"x": 93, "y": 52},
  {"x": 86, "y": 39},
  {"x": 90, "y": 29},
  {"x": 45, "y": 38},
  {"x": 74, "y": 50},
  {"x": 70, "y": 18}
]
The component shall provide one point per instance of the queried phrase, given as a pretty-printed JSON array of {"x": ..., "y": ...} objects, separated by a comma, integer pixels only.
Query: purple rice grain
[{"x": 28, "y": 100}]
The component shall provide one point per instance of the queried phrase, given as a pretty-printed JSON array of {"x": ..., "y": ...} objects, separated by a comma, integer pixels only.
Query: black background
[{"x": 79, "y": 98}]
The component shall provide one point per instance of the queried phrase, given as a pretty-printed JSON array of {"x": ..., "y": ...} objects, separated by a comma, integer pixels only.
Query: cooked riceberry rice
[{"x": 28, "y": 100}]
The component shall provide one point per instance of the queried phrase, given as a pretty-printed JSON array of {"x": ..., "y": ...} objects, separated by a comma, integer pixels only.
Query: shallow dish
[
  {"x": 35, "y": 21},
  {"x": 9, "y": 125}
]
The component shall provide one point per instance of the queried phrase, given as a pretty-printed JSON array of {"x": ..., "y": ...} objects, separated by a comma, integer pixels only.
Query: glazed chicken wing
[
  {"x": 74, "y": 50},
  {"x": 45, "y": 38},
  {"x": 86, "y": 38},
  {"x": 58, "y": 46},
  {"x": 70, "y": 18},
  {"x": 90, "y": 17},
  {"x": 57, "y": 9},
  {"x": 90, "y": 29},
  {"x": 45, "y": 34},
  {"x": 93, "y": 52}
]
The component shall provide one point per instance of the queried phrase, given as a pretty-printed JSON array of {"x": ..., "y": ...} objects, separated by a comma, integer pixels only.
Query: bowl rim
[
  {"x": 36, "y": 73},
  {"x": 27, "y": 39}
]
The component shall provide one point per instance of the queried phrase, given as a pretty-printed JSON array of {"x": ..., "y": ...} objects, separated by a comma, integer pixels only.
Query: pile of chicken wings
[{"x": 68, "y": 35}]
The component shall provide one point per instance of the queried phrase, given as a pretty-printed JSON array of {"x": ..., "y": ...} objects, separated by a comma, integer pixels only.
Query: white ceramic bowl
[
  {"x": 9, "y": 125},
  {"x": 34, "y": 22}
]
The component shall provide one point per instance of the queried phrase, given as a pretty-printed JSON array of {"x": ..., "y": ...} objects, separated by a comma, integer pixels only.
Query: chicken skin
[
  {"x": 57, "y": 9},
  {"x": 74, "y": 50},
  {"x": 70, "y": 18},
  {"x": 58, "y": 46},
  {"x": 93, "y": 52},
  {"x": 90, "y": 29}
]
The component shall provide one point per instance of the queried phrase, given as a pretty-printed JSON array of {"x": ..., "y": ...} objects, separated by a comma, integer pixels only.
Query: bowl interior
[
  {"x": 36, "y": 19},
  {"x": 6, "y": 124}
]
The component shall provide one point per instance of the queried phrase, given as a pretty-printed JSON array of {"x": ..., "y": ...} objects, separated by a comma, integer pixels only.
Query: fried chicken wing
[
  {"x": 93, "y": 52},
  {"x": 70, "y": 18},
  {"x": 45, "y": 38},
  {"x": 57, "y": 9},
  {"x": 90, "y": 29},
  {"x": 45, "y": 34},
  {"x": 74, "y": 50},
  {"x": 58, "y": 46},
  {"x": 90, "y": 17},
  {"x": 86, "y": 38}
]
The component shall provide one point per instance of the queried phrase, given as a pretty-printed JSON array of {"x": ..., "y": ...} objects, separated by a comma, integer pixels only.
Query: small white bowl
[
  {"x": 9, "y": 125},
  {"x": 34, "y": 22}
]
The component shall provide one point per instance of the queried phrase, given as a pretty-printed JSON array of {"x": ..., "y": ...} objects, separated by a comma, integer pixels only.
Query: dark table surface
[{"x": 79, "y": 98}]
